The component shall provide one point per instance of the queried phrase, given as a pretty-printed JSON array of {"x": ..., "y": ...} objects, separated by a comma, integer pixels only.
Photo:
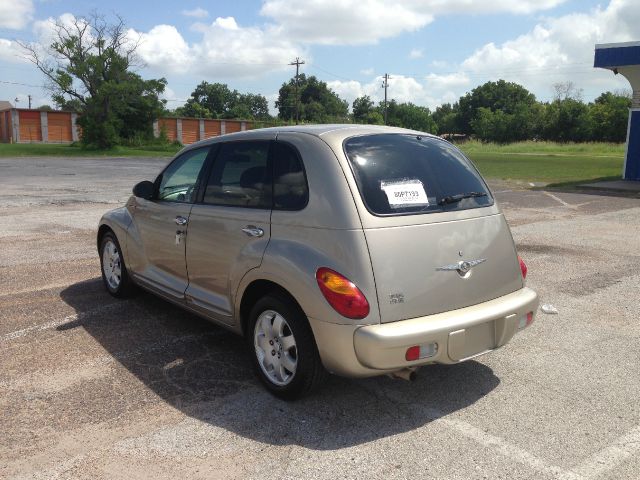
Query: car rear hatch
[{"x": 436, "y": 240}]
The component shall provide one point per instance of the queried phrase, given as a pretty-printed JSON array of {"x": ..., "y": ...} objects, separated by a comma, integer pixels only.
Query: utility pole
[
  {"x": 385, "y": 85},
  {"x": 29, "y": 101},
  {"x": 297, "y": 63}
]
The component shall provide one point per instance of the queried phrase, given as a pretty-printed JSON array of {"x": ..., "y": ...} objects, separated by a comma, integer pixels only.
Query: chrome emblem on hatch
[{"x": 463, "y": 266}]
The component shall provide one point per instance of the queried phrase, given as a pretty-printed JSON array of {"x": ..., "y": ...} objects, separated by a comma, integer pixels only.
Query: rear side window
[
  {"x": 407, "y": 174},
  {"x": 290, "y": 191},
  {"x": 240, "y": 176}
]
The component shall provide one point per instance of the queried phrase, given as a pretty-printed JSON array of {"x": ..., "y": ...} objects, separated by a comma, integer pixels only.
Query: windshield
[{"x": 407, "y": 174}]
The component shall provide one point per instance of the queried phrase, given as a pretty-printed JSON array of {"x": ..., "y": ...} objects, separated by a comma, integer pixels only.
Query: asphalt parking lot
[{"x": 93, "y": 387}]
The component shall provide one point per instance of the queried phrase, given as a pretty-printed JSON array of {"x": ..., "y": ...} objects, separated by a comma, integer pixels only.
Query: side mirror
[{"x": 144, "y": 190}]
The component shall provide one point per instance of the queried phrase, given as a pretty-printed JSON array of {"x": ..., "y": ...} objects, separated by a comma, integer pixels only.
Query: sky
[{"x": 434, "y": 50}]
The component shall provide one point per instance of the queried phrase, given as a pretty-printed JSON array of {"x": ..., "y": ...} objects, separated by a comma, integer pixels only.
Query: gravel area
[{"x": 93, "y": 387}]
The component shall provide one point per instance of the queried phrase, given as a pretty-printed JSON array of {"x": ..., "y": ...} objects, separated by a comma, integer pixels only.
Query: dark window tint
[
  {"x": 290, "y": 191},
  {"x": 240, "y": 176},
  {"x": 178, "y": 181},
  {"x": 405, "y": 174}
]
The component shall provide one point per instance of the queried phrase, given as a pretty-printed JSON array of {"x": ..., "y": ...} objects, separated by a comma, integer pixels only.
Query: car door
[
  {"x": 229, "y": 228},
  {"x": 159, "y": 226}
]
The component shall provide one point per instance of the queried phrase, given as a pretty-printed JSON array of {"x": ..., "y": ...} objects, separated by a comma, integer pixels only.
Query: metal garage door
[
  {"x": 190, "y": 131},
  {"x": 59, "y": 127},
  {"x": 169, "y": 126},
  {"x": 30, "y": 129},
  {"x": 211, "y": 128},
  {"x": 232, "y": 126}
]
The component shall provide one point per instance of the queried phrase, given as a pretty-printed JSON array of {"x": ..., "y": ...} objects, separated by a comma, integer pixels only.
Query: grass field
[
  {"x": 547, "y": 162},
  {"x": 49, "y": 150},
  {"x": 524, "y": 161}
]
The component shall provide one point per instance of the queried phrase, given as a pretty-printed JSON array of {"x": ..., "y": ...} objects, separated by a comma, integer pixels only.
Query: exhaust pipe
[{"x": 408, "y": 374}]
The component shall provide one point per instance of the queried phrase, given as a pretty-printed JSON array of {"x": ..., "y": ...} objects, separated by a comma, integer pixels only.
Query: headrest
[{"x": 253, "y": 176}]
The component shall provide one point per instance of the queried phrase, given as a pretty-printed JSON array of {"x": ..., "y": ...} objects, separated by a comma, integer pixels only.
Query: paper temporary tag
[{"x": 405, "y": 193}]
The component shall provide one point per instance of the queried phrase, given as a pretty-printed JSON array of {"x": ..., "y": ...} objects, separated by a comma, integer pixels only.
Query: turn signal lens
[
  {"x": 523, "y": 267},
  {"x": 342, "y": 294}
]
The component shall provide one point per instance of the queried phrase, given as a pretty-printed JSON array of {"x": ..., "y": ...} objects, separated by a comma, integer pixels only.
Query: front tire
[
  {"x": 114, "y": 272},
  {"x": 283, "y": 350}
]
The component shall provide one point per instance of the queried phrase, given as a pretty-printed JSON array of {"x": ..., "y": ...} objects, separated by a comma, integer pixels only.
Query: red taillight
[
  {"x": 413, "y": 353},
  {"x": 523, "y": 267},
  {"x": 342, "y": 294}
]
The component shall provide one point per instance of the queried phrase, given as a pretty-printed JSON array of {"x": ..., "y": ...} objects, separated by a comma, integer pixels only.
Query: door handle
[
  {"x": 180, "y": 220},
  {"x": 253, "y": 231}
]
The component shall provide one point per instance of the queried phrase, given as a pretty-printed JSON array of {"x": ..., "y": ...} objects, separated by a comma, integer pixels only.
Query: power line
[{"x": 22, "y": 84}]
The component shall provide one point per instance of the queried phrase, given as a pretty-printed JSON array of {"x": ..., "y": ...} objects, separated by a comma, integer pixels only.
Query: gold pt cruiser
[{"x": 357, "y": 250}]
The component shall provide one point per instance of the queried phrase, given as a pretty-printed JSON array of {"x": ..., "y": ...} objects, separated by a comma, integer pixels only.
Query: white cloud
[
  {"x": 367, "y": 71},
  {"x": 225, "y": 50},
  {"x": 401, "y": 88},
  {"x": 438, "y": 83},
  {"x": 10, "y": 51},
  {"x": 163, "y": 46},
  {"x": 483, "y": 7},
  {"x": 559, "y": 49},
  {"x": 416, "y": 53},
  {"x": 351, "y": 22},
  {"x": 15, "y": 14},
  {"x": 357, "y": 22},
  {"x": 44, "y": 30},
  {"x": 195, "y": 13}
]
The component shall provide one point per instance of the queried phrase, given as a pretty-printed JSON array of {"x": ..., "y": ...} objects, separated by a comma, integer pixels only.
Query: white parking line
[
  {"x": 55, "y": 323},
  {"x": 60, "y": 378},
  {"x": 559, "y": 200},
  {"x": 510, "y": 451},
  {"x": 606, "y": 460},
  {"x": 595, "y": 466}
]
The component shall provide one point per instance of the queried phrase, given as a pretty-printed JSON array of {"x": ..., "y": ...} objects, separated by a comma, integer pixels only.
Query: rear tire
[
  {"x": 114, "y": 272},
  {"x": 283, "y": 350}
]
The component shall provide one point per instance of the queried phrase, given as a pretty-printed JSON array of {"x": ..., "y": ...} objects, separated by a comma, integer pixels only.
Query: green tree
[
  {"x": 217, "y": 100},
  {"x": 317, "y": 102},
  {"x": 362, "y": 107},
  {"x": 408, "y": 115},
  {"x": 608, "y": 116},
  {"x": 507, "y": 97},
  {"x": 250, "y": 106},
  {"x": 566, "y": 120},
  {"x": 446, "y": 118},
  {"x": 88, "y": 66}
]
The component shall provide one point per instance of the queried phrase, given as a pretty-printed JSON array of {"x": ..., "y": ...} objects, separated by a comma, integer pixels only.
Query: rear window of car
[{"x": 399, "y": 174}]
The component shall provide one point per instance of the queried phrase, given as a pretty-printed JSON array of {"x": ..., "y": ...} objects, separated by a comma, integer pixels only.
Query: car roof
[{"x": 328, "y": 132}]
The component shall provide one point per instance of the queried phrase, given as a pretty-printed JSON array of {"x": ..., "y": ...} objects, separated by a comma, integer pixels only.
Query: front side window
[
  {"x": 240, "y": 176},
  {"x": 400, "y": 174},
  {"x": 179, "y": 180}
]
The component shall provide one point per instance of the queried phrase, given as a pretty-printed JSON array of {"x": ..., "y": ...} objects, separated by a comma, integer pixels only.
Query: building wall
[
  {"x": 30, "y": 126},
  {"x": 190, "y": 130}
]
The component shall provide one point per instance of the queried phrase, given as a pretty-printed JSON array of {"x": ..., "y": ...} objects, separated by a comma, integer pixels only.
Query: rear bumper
[{"x": 459, "y": 335}]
